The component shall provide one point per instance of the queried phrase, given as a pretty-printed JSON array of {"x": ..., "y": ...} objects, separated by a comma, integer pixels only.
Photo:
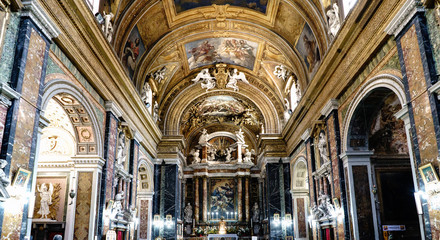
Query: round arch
[
  {"x": 387, "y": 81},
  {"x": 299, "y": 174},
  {"x": 145, "y": 176},
  {"x": 62, "y": 86}
]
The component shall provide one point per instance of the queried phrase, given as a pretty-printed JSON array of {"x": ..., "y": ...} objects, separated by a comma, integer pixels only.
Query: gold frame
[
  {"x": 427, "y": 178},
  {"x": 19, "y": 181}
]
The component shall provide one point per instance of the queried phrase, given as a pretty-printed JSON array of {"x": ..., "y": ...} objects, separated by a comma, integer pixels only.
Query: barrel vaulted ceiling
[{"x": 168, "y": 35}]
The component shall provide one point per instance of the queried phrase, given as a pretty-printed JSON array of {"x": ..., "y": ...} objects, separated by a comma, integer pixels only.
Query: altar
[{"x": 222, "y": 236}]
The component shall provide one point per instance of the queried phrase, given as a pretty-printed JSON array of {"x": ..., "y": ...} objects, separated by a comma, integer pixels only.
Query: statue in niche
[
  {"x": 46, "y": 199},
  {"x": 234, "y": 78},
  {"x": 262, "y": 129},
  {"x": 240, "y": 136},
  {"x": 145, "y": 94},
  {"x": 188, "y": 213},
  {"x": 159, "y": 75},
  {"x": 156, "y": 112},
  {"x": 287, "y": 110},
  {"x": 333, "y": 20},
  {"x": 117, "y": 206},
  {"x": 281, "y": 72},
  {"x": 205, "y": 76},
  {"x": 248, "y": 155},
  {"x": 195, "y": 154},
  {"x": 107, "y": 27},
  {"x": 4, "y": 180},
  {"x": 203, "y": 140},
  {"x": 256, "y": 213},
  {"x": 322, "y": 147},
  {"x": 122, "y": 152}
]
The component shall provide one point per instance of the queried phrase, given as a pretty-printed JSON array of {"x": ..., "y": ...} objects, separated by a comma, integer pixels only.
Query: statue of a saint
[
  {"x": 204, "y": 137},
  {"x": 240, "y": 136},
  {"x": 195, "y": 154},
  {"x": 188, "y": 213},
  {"x": 107, "y": 27},
  {"x": 255, "y": 213},
  {"x": 122, "y": 153},
  {"x": 117, "y": 207},
  {"x": 333, "y": 20},
  {"x": 322, "y": 147},
  {"x": 248, "y": 155},
  {"x": 46, "y": 199}
]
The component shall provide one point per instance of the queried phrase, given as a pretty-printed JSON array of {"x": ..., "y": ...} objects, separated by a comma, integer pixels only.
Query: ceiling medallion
[{"x": 220, "y": 78}]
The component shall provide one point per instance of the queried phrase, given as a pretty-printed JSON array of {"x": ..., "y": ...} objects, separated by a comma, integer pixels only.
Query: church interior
[{"x": 225, "y": 119}]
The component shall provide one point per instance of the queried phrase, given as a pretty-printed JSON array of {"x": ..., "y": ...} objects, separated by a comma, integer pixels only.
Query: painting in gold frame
[
  {"x": 21, "y": 178},
  {"x": 428, "y": 173}
]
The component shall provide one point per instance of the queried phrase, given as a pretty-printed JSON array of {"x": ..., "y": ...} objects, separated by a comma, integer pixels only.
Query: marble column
[
  {"x": 246, "y": 197},
  {"x": 196, "y": 200},
  {"x": 415, "y": 45},
  {"x": 239, "y": 199},
  {"x": 20, "y": 131},
  {"x": 205, "y": 199},
  {"x": 107, "y": 181}
]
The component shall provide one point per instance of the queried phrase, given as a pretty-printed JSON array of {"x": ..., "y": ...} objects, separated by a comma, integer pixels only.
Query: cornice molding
[
  {"x": 331, "y": 105},
  {"x": 33, "y": 10},
  {"x": 306, "y": 134},
  {"x": 402, "y": 18},
  {"x": 7, "y": 94},
  {"x": 112, "y": 107}
]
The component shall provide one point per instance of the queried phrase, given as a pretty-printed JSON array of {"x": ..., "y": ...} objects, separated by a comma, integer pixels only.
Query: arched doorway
[
  {"x": 378, "y": 167},
  {"x": 68, "y": 169}
]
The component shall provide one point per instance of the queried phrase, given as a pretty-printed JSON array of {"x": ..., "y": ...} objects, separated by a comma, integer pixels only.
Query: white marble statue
[
  {"x": 205, "y": 76},
  {"x": 234, "y": 78},
  {"x": 248, "y": 155},
  {"x": 262, "y": 129},
  {"x": 107, "y": 27},
  {"x": 295, "y": 94},
  {"x": 240, "y": 136},
  {"x": 333, "y": 20},
  {"x": 121, "y": 151},
  {"x": 145, "y": 94},
  {"x": 203, "y": 140},
  {"x": 156, "y": 112},
  {"x": 196, "y": 156},
  {"x": 228, "y": 154},
  {"x": 212, "y": 153},
  {"x": 4, "y": 180},
  {"x": 45, "y": 199},
  {"x": 256, "y": 213},
  {"x": 281, "y": 72},
  {"x": 159, "y": 75},
  {"x": 287, "y": 110},
  {"x": 322, "y": 147},
  {"x": 188, "y": 213},
  {"x": 117, "y": 206}
]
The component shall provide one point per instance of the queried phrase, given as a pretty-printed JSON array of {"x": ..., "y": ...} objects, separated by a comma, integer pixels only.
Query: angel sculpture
[
  {"x": 281, "y": 72},
  {"x": 228, "y": 154},
  {"x": 204, "y": 75},
  {"x": 107, "y": 27},
  {"x": 233, "y": 79},
  {"x": 159, "y": 75},
  {"x": 195, "y": 154},
  {"x": 248, "y": 155},
  {"x": 46, "y": 199},
  {"x": 145, "y": 94},
  {"x": 117, "y": 207}
]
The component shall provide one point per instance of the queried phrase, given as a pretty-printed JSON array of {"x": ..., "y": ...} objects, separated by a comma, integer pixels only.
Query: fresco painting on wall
[
  {"x": 307, "y": 47},
  {"x": 257, "y": 5},
  {"x": 133, "y": 50},
  {"x": 227, "y": 50},
  {"x": 222, "y": 198}
]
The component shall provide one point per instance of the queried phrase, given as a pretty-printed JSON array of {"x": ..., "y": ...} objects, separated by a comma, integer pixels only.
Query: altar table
[{"x": 222, "y": 236}]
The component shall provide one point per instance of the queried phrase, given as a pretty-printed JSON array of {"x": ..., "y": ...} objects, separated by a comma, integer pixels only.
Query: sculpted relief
[{"x": 220, "y": 109}]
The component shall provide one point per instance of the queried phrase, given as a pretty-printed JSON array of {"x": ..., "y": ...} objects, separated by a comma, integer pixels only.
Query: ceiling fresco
[
  {"x": 227, "y": 50},
  {"x": 168, "y": 43},
  {"x": 257, "y": 5}
]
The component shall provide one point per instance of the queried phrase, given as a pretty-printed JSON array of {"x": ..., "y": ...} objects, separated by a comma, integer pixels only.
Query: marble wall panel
[
  {"x": 143, "y": 217},
  {"x": 301, "y": 216},
  {"x": 83, "y": 205},
  {"x": 134, "y": 169},
  {"x": 113, "y": 125},
  {"x": 310, "y": 170},
  {"x": 363, "y": 203},
  {"x": 420, "y": 100}
]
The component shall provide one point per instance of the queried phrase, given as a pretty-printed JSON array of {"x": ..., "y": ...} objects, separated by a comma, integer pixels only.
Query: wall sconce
[
  {"x": 169, "y": 220},
  {"x": 72, "y": 195},
  {"x": 156, "y": 220},
  {"x": 276, "y": 218},
  {"x": 287, "y": 219}
]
